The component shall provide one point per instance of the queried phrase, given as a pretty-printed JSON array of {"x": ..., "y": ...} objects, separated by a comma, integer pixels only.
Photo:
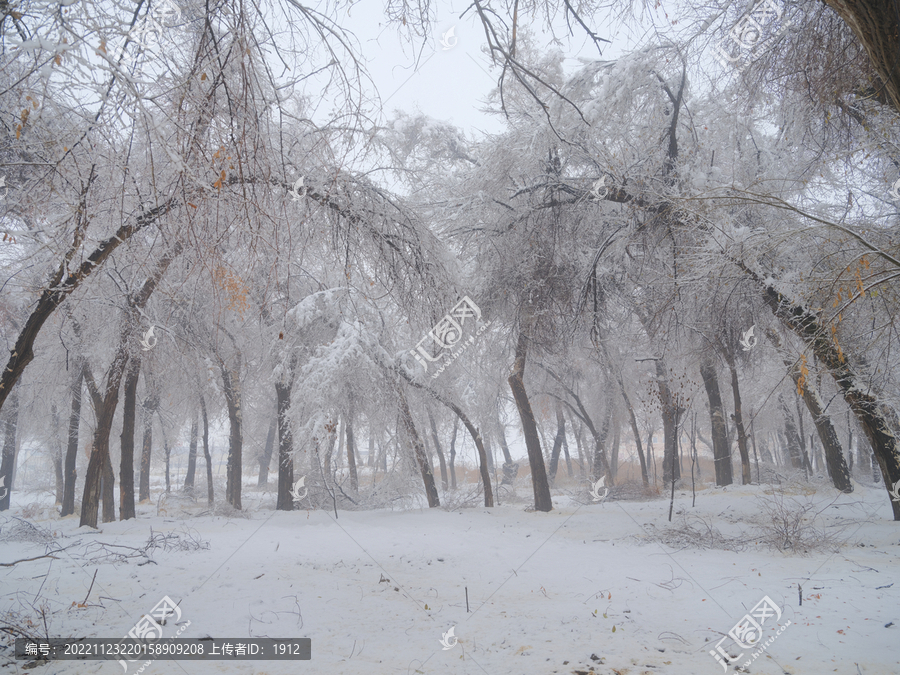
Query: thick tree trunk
[
  {"x": 557, "y": 442},
  {"x": 149, "y": 409},
  {"x": 126, "y": 442},
  {"x": 791, "y": 434},
  {"x": 878, "y": 420},
  {"x": 601, "y": 463},
  {"x": 419, "y": 450},
  {"x": 453, "y": 455},
  {"x": 231, "y": 387},
  {"x": 90, "y": 500},
  {"x": 68, "y": 504},
  {"x": 746, "y": 475},
  {"x": 190, "y": 475},
  {"x": 8, "y": 461},
  {"x": 285, "y": 499},
  {"x": 440, "y": 451},
  {"x": 670, "y": 415},
  {"x": 876, "y": 24},
  {"x": 510, "y": 468},
  {"x": 542, "y": 500},
  {"x": 721, "y": 451},
  {"x": 210, "y": 491}
]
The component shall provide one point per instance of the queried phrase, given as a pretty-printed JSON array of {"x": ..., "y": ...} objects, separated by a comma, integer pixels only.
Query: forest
[{"x": 237, "y": 283}]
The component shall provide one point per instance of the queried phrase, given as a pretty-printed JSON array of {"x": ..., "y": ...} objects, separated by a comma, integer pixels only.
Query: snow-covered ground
[{"x": 585, "y": 588}]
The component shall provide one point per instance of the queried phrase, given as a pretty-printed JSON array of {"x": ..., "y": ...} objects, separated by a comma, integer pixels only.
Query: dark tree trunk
[
  {"x": 168, "y": 453},
  {"x": 190, "y": 475},
  {"x": 8, "y": 461},
  {"x": 90, "y": 500},
  {"x": 149, "y": 409},
  {"x": 614, "y": 455},
  {"x": 210, "y": 492},
  {"x": 440, "y": 451},
  {"x": 233, "y": 471},
  {"x": 107, "y": 489},
  {"x": 57, "y": 453},
  {"x": 557, "y": 442},
  {"x": 746, "y": 475},
  {"x": 68, "y": 505},
  {"x": 542, "y": 500},
  {"x": 601, "y": 463},
  {"x": 510, "y": 468},
  {"x": 421, "y": 459},
  {"x": 791, "y": 434},
  {"x": 721, "y": 451},
  {"x": 285, "y": 500},
  {"x": 351, "y": 454},
  {"x": 453, "y": 455},
  {"x": 670, "y": 417},
  {"x": 126, "y": 442}
]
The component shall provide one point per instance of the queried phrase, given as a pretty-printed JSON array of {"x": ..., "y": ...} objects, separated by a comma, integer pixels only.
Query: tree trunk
[
  {"x": 285, "y": 449},
  {"x": 427, "y": 477},
  {"x": 192, "y": 454},
  {"x": 601, "y": 463},
  {"x": 57, "y": 453},
  {"x": 721, "y": 451},
  {"x": 453, "y": 455},
  {"x": 746, "y": 475},
  {"x": 440, "y": 451},
  {"x": 351, "y": 453},
  {"x": 876, "y": 24},
  {"x": 807, "y": 467},
  {"x": 671, "y": 470},
  {"x": 614, "y": 456},
  {"x": 557, "y": 442},
  {"x": 126, "y": 442},
  {"x": 542, "y": 500},
  {"x": 8, "y": 461},
  {"x": 510, "y": 468},
  {"x": 149, "y": 409},
  {"x": 231, "y": 388},
  {"x": 71, "y": 474},
  {"x": 210, "y": 492},
  {"x": 90, "y": 500},
  {"x": 791, "y": 434}
]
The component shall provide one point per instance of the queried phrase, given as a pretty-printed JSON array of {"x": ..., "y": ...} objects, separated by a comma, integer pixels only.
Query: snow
[{"x": 579, "y": 589}]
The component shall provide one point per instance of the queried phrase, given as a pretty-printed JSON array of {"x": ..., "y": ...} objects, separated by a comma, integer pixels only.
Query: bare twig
[{"x": 16, "y": 562}]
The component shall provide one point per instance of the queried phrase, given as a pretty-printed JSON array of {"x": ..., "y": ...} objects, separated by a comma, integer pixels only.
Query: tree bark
[
  {"x": 557, "y": 442},
  {"x": 540, "y": 486},
  {"x": 210, "y": 491},
  {"x": 421, "y": 459},
  {"x": 149, "y": 410},
  {"x": 721, "y": 451},
  {"x": 791, "y": 434},
  {"x": 746, "y": 475},
  {"x": 440, "y": 451},
  {"x": 190, "y": 475},
  {"x": 231, "y": 388},
  {"x": 8, "y": 461},
  {"x": 285, "y": 449},
  {"x": 670, "y": 417},
  {"x": 126, "y": 442},
  {"x": 57, "y": 454},
  {"x": 71, "y": 474},
  {"x": 351, "y": 453},
  {"x": 453, "y": 455}
]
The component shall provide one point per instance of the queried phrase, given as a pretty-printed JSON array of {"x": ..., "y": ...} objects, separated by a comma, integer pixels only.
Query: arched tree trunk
[
  {"x": 419, "y": 450},
  {"x": 542, "y": 500}
]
